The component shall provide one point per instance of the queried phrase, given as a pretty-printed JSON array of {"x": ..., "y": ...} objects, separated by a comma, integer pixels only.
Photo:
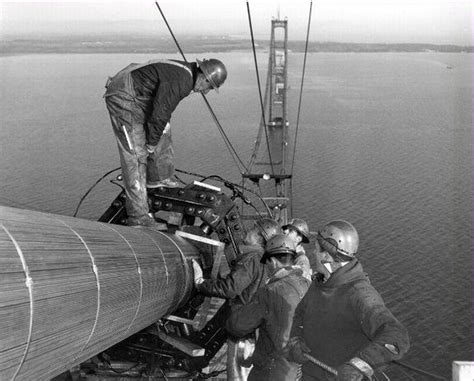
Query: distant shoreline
[{"x": 150, "y": 45}]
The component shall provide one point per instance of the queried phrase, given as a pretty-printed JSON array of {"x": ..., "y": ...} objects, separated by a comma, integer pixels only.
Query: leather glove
[
  {"x": 297, "y": 349},
  {"x": 347, "y": 372},
  {"x": 198, "y": 275}
]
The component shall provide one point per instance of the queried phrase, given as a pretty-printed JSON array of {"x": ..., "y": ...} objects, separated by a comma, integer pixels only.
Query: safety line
[{"x": 92, "y": 187}]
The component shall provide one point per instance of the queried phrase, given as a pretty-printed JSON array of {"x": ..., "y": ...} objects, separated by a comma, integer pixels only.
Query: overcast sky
[{"x": 428, "y": 21}]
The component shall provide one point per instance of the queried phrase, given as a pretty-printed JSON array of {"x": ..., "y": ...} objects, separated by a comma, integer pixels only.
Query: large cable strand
[
  {"x": 259, "y": 88},
  {"x": 229, "y": 145},
  {"x": 301, "y": 87}
]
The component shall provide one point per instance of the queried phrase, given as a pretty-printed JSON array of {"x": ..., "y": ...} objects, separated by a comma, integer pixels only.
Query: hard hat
[
  {"x": 277, "y": 245},
  {"x": 267, "y": 228},
  {"x": 340, "y": 239},
  {"x": 299, "y": 226},
  {"x": 214, "y": 71}
]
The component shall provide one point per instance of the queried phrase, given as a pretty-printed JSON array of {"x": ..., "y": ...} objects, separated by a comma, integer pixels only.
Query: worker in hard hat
[
  {"x": 247, "y": 275},
  {"x": 342, "y": 320},
  {"x": 298, "y": 230},
  {"x": 140, "y": 99},
  {"x": 271, "y": 310}
]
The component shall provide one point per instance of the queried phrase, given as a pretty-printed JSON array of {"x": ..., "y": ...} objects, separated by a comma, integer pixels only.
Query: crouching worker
[
  {"x": 342, "y": 320},
  {"x": 246, "y": 277},
  {"x": 140, "y": 99},
  {"x": 271, "y": 310}
]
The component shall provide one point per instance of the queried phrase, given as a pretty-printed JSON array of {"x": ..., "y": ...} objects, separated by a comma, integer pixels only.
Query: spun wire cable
[
  {"x": 259, "y": 88},
  {"x": 29, "y": 285},
  {"x": 239, "y": 163},
  {"x": 95, "y": 270},
  {"x": 301, "y": 87}
]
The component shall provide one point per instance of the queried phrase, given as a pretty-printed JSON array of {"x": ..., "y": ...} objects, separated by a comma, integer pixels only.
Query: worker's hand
[
  {"x": 297, "y": 349},
  {"x": 150, "y": 148},
  {"x": 347, "y": 372},
  {"x": 198, "y": 276}
]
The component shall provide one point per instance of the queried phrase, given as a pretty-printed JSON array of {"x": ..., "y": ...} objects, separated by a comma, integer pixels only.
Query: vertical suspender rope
[
  {"x": 301, "y": 87},
  {"x": 259, "y": 88},
  {"x": 229, "y": 145}
]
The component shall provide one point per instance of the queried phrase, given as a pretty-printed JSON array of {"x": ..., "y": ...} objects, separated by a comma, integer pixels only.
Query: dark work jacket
[
  {"x": 271, "y": 310},
  {"x": 159, "y": 87},
  {"x": 346, "y": 317},
  {"x": 244, "y": 279}
]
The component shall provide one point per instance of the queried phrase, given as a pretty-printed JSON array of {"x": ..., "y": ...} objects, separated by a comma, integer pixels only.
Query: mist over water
[{"x": 384, "y": 141}]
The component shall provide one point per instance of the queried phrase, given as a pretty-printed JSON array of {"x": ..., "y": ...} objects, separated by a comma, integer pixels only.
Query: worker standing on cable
[
  {"x": 342, "y": 320},
  {"x": 140, "y": 99},
  {"x": 271, "y": 310},
  {"x": 247, "y": 275},
  {"x": 298, "y": 230}
]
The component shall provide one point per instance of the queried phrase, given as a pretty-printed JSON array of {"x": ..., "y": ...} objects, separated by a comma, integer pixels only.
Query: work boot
[
  {"x": 166, "y": 183},
  {"x": 145, "y": 221}
]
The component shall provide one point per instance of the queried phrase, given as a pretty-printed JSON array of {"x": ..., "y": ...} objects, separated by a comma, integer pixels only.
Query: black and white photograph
[{"x": 236, "y": 190}]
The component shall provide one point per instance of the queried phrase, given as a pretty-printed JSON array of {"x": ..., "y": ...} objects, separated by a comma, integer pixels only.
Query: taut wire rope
[
  {"x": 301, "y": 88},
  {"x": 240, "y": 165},
  {"x": 259, "y": 89}
]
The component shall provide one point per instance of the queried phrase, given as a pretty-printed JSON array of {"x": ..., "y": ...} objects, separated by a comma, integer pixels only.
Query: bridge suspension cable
[
  {"x": 301, "y": 87},
  {"x": 259, "y": 88}
]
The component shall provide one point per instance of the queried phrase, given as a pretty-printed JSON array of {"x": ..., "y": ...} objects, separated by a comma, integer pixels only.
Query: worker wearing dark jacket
[
  {"x": 343, "y": 321},
  {"x": 140, "y": 99},
  {"x": 271, "y": 310},
  {"x": 247, "y": 275}
]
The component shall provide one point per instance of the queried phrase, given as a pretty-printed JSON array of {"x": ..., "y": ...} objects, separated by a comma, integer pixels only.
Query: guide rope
[
  {"x": 90, "y": 190},
  {"x": 240, "y": 165}
]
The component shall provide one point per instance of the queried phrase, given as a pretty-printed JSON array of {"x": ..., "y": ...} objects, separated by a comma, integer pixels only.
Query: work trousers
[
  {"x": 236, "y": 372},
  {"x": 128, "y": 117}
]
